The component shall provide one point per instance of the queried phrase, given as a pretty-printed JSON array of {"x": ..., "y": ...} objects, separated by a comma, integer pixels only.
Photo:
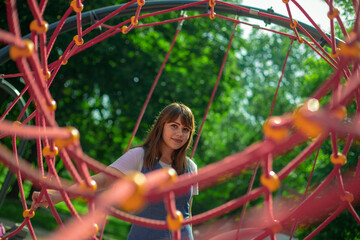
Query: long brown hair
[{"x": 153, "y": 141}]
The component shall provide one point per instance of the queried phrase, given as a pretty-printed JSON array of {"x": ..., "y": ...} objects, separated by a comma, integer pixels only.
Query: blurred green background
[{"x": 101, "y": 91}]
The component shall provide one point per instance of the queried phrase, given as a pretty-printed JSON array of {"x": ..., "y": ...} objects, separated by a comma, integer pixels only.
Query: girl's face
[{"x": 175, "y": 134}]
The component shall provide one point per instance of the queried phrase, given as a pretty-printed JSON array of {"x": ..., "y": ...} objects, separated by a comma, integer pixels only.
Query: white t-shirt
[{"x": 133, "y": 160}]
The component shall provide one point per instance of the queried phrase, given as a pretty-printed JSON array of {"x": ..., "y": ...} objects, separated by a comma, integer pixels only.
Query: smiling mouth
[{"x": 177, "y": 140}]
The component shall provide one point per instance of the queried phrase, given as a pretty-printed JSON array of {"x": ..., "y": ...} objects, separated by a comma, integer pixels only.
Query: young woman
[{"x": 165, "y": 146}]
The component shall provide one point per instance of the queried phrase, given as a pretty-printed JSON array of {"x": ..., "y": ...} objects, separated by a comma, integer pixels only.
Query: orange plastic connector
[
  {"x": 141, "y": 2},
  {"x": 16, "y": 52},
  {"x": 47, "y": 74},
  {"x": 74, "y": 5},
  {"x": 212, "y": 16},
  {"x": 63, "y": 63},
  {"x": 276, "y": 227},
  {"x": 300, "y": 40},
  {"x": 273, "y": 132},
  {"x": 95, "y": 229},
  {"x": 16, "y": 123},
  {"x": 339, "y": 112},
  {"x": 84, "y": 187},
  {"x": 27, "y": 214},
  {"x": 35, "y": 26},
  {"x": 335, "y": 53},
  {"x": 225, "y": 177},
  {"x": 124, "y": 29},
  {"x": 347, "y": 197},
  {"x": 212, "y": 3},
  {"x": 285, "y": 1},
  {"x": 172, "y": 176},
  {"x": 306, "y": 126},
  {"x": 136, "y": 201},
  {"x": 77, "y": 41},
  {"x": 74, "y": 136},
  {"x": 272, "y": 183},
  {"x": 133, "y": 22},
  {"x": 293, "y": 24},
  {"x": 334, "y": 14},
  {"x": 48, "y": 153},
  {"x": 174, "y": 224},
  {"x": 352, "y": 50},
  {"x": 340, "y": 159},
  {"x": 52, "y": 107}
]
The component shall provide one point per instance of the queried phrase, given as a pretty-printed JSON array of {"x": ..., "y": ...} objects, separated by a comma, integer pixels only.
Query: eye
[
  {"x": 186, "y": 130},
  {"x": 174, "y": 126}
]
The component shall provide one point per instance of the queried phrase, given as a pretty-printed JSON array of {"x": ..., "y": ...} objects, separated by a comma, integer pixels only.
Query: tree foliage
[{"x": 101, "y": 91}]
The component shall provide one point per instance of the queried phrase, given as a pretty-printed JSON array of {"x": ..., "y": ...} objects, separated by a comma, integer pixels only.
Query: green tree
[{"x": 101, "y": 91}]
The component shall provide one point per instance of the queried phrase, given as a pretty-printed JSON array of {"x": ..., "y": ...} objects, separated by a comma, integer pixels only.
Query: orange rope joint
[
  {"x": 28, "y": 214},
  {"x": 16, "y": 52},
  {"x": 134, "y": 20},
  {"x": 124, "y": 29},
  {"x": 136, "y": 201},
  {"x": 174, "y": 224},
  {"x": 293, "y": 24},
  {"x": 302, "y": 122},
  {"x": 95, "y": 229},
  {"x": 333, "y": 14},
  {"x": 77, "y": 7},
  {"x": 339, "y": 112},
  {"x": 340, "y": 159},
  {"x": 300, "y": 40},
  {"x": 63, "y": 62},
  {"x": 39, "y": 28},
  {"x": 141, "y": 2},
  {"x": 83, "y": 186},
  {"x": 212, "y": 15},
  {"x": 276, "y": 227},
  {"x": 52, "y": 106},
  {"x": 74, "y": 137},
  {"x": 172, "y": 176},
  {"x": 274, "y": 129},
  {"x": 272, "y": 183},
  {"x": 47, "y": 152},
  {"x": 347, "y": 197},
  {"x": 79, "y": 41},
  {"x": 350, "y": 50},
  {"x": 285, "y": 1},
  {"x": 225, "y": 177},
  {"x": 335, "y": 53},
  {"x": 47, "y": 74},
  {"x": 16, "y": 123}
]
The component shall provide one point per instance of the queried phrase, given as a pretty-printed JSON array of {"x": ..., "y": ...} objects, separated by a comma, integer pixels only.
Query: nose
[{"x": 180, "y": 131}]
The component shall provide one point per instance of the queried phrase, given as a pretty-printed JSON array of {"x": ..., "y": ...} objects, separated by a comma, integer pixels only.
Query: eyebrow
[{"x": 179, "y": 124}]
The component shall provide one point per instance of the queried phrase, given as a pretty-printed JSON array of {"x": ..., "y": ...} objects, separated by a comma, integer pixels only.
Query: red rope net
[{"x": 282, "y": 133}]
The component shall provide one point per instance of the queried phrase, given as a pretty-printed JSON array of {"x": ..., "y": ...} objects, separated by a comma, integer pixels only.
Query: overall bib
[{"x": 157, "y": 211}]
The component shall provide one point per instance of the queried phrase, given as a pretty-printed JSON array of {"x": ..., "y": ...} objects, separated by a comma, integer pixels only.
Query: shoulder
[
  {"x": 133, "y": 155},
  {"x": 139, "y": 151},
  {"x": 132, "y": 160},
  {"x": 192, "y": 165}
]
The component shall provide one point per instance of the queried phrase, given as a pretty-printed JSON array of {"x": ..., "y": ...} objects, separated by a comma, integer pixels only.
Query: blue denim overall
[{"x": 157, "y": 211}]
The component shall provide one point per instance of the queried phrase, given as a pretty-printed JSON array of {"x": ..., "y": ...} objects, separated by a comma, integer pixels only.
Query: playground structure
[{"x": 282, "y": 133}]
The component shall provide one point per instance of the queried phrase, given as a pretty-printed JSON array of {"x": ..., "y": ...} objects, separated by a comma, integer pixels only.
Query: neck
[
  {"x": 166, "y": 160},
  {"x": 166, "y": 154}
]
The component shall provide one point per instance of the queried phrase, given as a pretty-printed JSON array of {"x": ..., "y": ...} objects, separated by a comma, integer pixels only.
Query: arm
[
  {"x": 103, "y": 181},
  {"x": 190, "y": 205},
  {"x": 127, "y": 162}
]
